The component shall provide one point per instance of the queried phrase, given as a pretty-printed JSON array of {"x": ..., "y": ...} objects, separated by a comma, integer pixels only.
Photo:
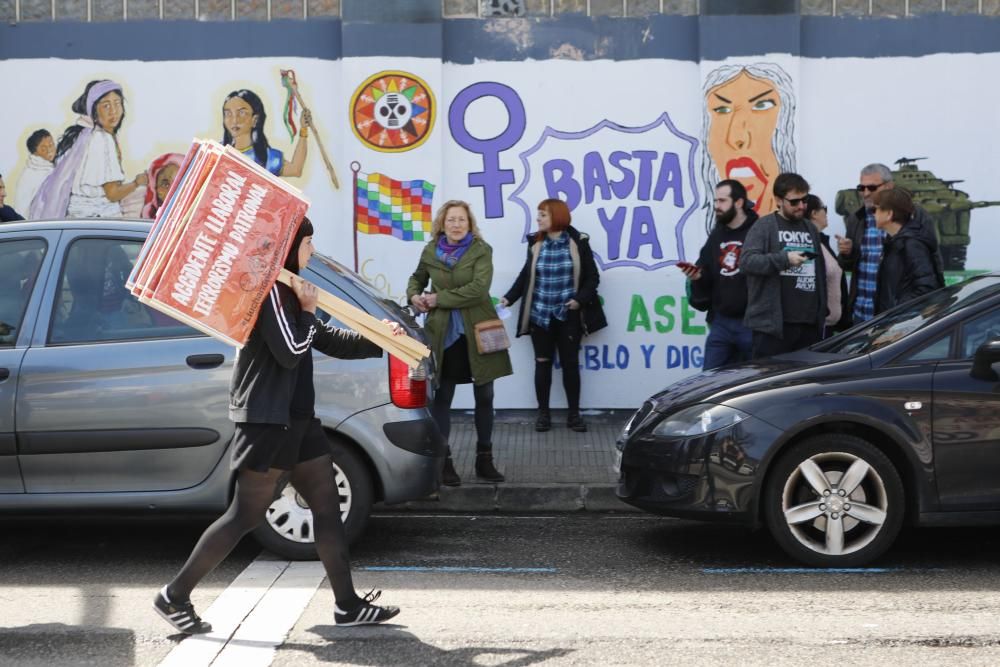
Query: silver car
[{"x": 107, "y": 405}]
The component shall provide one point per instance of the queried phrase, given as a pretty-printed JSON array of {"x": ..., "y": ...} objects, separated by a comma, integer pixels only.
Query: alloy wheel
[{"x": 835, "y": 503}]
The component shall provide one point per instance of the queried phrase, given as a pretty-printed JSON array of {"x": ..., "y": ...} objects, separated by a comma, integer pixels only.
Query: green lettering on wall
[
  {"x": 660, "y": 307},
  {"x": 688, "y": 314},
  {"x": 638, "y": 316}
]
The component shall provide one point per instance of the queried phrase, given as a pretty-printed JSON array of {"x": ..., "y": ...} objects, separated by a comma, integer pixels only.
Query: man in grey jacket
[{"x": 786, "y": 274}]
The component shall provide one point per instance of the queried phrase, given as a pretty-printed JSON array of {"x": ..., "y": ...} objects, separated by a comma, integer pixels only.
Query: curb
[{"x": 514, "y": 498}]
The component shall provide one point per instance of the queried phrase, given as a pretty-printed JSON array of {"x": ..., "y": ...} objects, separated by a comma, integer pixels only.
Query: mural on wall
[
  {"x": 38, "y": 164},
  {"x": 384, "y": 205},
  {"x": 748, "y": 130},
  {"x": 393, "y": 111},
  {"x": 87, "y": 180},
  {"x": 243, "y": 127},
  {"x": 638, "y": 171},
  {"x": 641, "y": 194}
]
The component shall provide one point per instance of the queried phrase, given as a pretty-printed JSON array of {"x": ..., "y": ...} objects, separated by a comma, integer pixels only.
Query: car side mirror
[{"x": 982, "y": 364}]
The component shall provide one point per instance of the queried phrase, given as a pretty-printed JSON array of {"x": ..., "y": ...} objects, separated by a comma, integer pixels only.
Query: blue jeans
[{"x": 728, "y": 342}]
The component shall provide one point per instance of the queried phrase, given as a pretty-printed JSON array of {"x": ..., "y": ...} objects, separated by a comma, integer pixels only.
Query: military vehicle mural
[{"x": 950, "y": 208}]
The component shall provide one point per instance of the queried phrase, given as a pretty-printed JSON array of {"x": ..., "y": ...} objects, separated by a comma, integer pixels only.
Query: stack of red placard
[{"x": 219, "y": 242}]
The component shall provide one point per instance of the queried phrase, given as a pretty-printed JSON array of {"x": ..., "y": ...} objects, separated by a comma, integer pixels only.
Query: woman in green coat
[{"x": 459, "y": 266}]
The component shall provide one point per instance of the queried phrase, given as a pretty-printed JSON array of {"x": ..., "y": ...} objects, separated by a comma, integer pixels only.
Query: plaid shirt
[
  {"x": 553, "y": 281},
  {"x": 867, "y": 268}
]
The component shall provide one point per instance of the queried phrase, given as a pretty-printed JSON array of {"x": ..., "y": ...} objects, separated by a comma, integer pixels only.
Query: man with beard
[
  {"x": 786, "y": 274},
  {"x": 717, "y": 285}
]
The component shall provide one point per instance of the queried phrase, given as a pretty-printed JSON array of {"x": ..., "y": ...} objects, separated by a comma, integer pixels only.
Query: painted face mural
[
  {"x": 109, "y": 111},
  {"x": 748, "y": 133},
  {"x": 239, "y": 120}
]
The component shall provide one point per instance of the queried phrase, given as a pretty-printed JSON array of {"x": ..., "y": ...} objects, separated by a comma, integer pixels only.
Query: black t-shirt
[
  {"x": 720, "y": 264},
  {"x": 799, "y": 299}
]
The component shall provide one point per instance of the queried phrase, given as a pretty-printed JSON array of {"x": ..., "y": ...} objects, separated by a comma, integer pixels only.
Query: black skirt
[
  {"x": 260, "y": 447},
  {"x": 455, "y": 367}
]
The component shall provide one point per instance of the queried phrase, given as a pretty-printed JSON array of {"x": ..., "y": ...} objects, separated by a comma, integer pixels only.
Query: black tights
[
  {"x": 441, "y": 410},
  {"x": 564, "y": 338},
  {"x": 254, "y": 492}
]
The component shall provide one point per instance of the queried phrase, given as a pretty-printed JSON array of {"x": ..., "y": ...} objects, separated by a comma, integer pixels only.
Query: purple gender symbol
[{"x": 492, "y": 178}]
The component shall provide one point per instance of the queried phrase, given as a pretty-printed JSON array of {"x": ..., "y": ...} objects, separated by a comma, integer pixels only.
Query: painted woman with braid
[
  {"x": 243, "y": 119},
  {"x": 271, "y": 399}
]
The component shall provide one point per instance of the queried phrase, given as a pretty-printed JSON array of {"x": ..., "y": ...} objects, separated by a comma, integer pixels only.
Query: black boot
[
  {"x": 448, "y": 476},
  {"x": 544, "y": 421},
  {"x": 484, "y": 468},
  {"x": 575, "y": 422}
]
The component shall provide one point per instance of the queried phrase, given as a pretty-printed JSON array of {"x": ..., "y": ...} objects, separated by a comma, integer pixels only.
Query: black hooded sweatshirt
[
  {"x": 722, "y": 287},
  {"x": 911, "y": 265}
]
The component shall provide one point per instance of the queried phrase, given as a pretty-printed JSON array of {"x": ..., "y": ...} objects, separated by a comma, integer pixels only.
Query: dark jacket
[
  {"x": 911, "y": 266},
  {"x": 8, "y": 214},
  {"x": 762, "y": 261},
  {"x": 718, "y": 292},
  {"x": 464, "y": 287},
  {"x": 266, "y": 369},
  {"x": 585, "y": 280},
  {"x": 855, "y": 230}
]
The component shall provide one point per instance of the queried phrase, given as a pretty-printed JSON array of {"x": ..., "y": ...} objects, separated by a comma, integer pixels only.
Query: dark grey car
[{"x": 107, "y": 405}]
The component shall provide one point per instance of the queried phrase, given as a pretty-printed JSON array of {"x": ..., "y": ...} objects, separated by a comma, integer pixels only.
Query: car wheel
[
  {"x": 834, "y": 501},
  {"x": 288, "y": 526}
]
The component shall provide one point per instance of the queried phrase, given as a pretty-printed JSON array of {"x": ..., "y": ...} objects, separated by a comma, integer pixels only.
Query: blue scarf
[{"x": 450, "y": 253}]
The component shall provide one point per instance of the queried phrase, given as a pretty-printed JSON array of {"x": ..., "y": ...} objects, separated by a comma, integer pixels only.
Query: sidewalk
[{"x": 556, "y": 471}]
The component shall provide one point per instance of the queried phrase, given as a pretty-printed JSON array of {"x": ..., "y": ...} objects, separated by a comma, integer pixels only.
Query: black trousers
[
  {"x": 564, "y": 338},
  {"x": 794, "y": 337}
]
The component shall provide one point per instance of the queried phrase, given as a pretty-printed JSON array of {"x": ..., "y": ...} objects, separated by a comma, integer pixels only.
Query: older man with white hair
[{"x": 860, "y": 251}]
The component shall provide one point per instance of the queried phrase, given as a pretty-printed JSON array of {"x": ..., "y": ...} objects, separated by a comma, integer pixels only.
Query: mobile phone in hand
[
  {"x": 687, "y": 266},
  {"x": 809, "y": 254}
]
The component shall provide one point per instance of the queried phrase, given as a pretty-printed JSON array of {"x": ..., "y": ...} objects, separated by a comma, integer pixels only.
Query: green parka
[{"x": 466, "y": 287}]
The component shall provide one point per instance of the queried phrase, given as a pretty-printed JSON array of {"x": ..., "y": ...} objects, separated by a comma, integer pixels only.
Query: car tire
[
  {"x": 287, "y": 528},
  {"x": 819, "y": 523}
]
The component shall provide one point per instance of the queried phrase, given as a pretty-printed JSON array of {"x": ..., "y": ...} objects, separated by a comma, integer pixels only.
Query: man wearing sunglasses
[
  {"x": 860, "y": 251},
  {"x": 785, "y": 273}
]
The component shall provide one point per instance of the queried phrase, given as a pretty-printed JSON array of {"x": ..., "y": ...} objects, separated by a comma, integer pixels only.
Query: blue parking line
[
  {"x": 800, "y": 570},
  {"x": 452, "y": 569}
]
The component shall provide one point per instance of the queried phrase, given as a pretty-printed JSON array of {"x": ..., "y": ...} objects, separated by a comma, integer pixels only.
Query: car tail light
[{"x": 407, "y": 388}]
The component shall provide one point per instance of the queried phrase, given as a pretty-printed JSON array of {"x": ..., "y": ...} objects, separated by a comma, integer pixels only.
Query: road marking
[
  {"x": 268, "y": 625},
  {"x": 456, "y": 569},
  {"x": 801, "y": 570},
  {"x": 252, "y": 617}
]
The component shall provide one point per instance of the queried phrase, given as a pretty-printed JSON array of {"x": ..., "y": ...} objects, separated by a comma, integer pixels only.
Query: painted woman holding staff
[
  {"x": 271, "y": 399},
  {"x": 458, "y": 264},
  {"x": 243, "y": 119}
]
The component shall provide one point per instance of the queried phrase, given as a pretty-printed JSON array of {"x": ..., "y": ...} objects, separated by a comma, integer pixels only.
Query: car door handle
[
  {"x": 205, "y": 361},
  {"x": 4, "y": 374}
]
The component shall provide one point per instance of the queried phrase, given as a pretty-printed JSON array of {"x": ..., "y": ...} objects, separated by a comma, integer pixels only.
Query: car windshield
[{"x": 912, "y": 316}]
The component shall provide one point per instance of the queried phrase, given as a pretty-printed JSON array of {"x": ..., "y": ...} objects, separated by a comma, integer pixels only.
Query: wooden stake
[{"x": 406, "y": 349}]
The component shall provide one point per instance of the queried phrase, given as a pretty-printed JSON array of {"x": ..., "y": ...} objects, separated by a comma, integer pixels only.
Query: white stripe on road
[
  {"x": 267, "y": 626},
  {"x": 251, "y": 617}
]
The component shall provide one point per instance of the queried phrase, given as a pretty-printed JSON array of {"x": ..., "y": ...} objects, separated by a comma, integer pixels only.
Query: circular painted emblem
[{"x": 393, "y": 112}]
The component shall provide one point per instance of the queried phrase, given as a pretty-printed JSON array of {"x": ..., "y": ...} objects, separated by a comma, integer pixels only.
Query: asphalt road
[{"x": 560, "y": 590}]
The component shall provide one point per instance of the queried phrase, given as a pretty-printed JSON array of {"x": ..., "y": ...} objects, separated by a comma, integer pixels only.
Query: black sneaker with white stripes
[
  {"x": 366, "y": 613},
  {"x": 181, "y": 616}
]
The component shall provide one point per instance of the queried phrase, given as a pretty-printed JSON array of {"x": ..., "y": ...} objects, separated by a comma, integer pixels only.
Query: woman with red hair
[{"x": 559, "y": 285}]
